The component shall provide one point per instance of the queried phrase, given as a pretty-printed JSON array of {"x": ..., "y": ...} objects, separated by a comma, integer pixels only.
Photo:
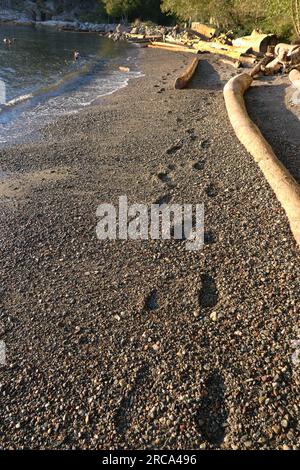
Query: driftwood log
[
  {"x": 283, "y": 58},
  {"x": 261, "y": 65},
  {"x": 171, "y": 47},
  {"x": 283, "y": 184},
  {"x": 182, "y": 81},
  {"x": 257, "y": 42}
]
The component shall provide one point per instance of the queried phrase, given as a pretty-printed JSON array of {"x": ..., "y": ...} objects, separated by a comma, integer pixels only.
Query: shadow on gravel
[
  {"x": 208, "y": 295},
  {"x": 212, "y": 412},
  {"x": 123, "y": 415},
  {"x": 151, "y": 302},
  {"x": 206, "y": 77},
  {"x": 266, "y": 105}
]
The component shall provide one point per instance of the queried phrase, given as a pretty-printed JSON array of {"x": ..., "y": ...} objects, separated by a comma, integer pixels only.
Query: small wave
[
  {"x": 51, "y": 87},
  {"x": 78, "y": 88}
]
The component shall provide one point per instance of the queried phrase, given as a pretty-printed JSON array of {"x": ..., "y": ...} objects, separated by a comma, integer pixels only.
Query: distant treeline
[{"x": 279, "y": 16}]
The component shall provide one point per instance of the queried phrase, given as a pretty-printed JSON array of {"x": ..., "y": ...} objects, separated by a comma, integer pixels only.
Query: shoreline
[
  {"x": 92, "y": 79},
  {"x": 81, "y": 336},
  {"x": 76, "y": 26}
]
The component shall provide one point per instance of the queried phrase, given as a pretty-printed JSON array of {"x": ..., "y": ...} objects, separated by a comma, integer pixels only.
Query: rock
[
  {"x": 213, "y": 316},
  {"x": 123, "y": 383},
  {"x": 276, "y": 429},
  {"x": 284, "y": 423}
]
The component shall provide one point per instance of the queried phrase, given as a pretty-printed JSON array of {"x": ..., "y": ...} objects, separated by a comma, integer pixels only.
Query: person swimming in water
[{"x": 8, "y": 41}]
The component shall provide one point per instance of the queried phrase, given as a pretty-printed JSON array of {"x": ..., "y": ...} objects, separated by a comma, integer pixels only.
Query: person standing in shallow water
[{"x": 76, "y": 56}]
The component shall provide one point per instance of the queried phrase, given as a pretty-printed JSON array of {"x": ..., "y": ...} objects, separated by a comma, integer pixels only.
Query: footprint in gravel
[
  {"x": 199, "y": 165},
  {"x": 172, "y": 167},
  {"x": 209, "y": 238},
  {"x": 208, "y": 295},
  {"x": 212, "y": 413},
  {"x": 174, "y": 148},
  {"x": 205, "y": 144},
  {"x": 163, "y": 199},
  {"x": 124, "y": 414},
  {"x": 190, "y": 131},
  {"x": 151, "y": 302},
  {"x": 211, "y": 190},
  {"x": 165, "y": 178}
]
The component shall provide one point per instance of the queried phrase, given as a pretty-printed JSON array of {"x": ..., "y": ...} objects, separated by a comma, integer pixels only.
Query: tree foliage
[
  {"x": 279, "y": 16},
  {"x": 271, "y": 15},
  {"x": 119, "y": 8}
]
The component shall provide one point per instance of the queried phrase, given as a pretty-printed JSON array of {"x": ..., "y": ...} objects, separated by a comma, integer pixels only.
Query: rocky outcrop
[{"x": 43, "y": 11}]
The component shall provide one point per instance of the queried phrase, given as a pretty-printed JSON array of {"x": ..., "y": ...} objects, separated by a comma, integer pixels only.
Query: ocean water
[{"x": 39, "y": 79}]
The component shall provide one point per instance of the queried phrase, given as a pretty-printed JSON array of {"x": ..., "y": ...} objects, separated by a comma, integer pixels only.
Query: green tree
[
  {"x": 121, "y": 8},
  {"x": 279, "y": 16}
]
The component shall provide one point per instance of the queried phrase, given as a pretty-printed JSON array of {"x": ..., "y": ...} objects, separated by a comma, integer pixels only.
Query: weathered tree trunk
[{"x": 281, "y": 181}]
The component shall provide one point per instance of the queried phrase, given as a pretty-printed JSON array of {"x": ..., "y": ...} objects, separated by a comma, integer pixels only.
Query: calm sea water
[{"x": 41, "y": 81}]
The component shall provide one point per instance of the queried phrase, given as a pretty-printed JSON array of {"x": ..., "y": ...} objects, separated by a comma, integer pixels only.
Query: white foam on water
[{"x": 26, "y": 126}]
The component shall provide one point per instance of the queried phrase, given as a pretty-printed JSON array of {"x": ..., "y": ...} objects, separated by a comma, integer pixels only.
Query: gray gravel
[{"x": 143, "y": 344}]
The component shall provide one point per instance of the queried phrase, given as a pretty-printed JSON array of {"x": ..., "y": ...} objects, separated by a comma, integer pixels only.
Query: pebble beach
[{"x": 143, "y": 344}]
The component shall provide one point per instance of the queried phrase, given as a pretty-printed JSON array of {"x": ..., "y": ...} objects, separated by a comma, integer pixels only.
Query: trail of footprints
[{"x": 208, "y": 421}]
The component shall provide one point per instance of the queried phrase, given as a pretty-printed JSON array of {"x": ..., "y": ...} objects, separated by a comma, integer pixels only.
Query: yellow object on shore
[
  {"x": 124, "y": 69},
  {"x": 236, "y": 53},
  {"x": 286, "y": 189},
  {"x": 203, "y": 29}
]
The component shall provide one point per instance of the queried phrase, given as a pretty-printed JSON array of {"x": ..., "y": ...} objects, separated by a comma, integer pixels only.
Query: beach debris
[
  {"x": 124, "y": 69},
  {"x": 225, "y": 38},
  {"x": 282, "y": 59}
]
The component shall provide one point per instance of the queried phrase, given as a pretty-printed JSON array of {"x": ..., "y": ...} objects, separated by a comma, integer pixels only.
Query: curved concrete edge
[
  {"x": 294, "y": 76},
  {"x": 281, "y": 181},
  {"x": 182, "y": 81}
]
